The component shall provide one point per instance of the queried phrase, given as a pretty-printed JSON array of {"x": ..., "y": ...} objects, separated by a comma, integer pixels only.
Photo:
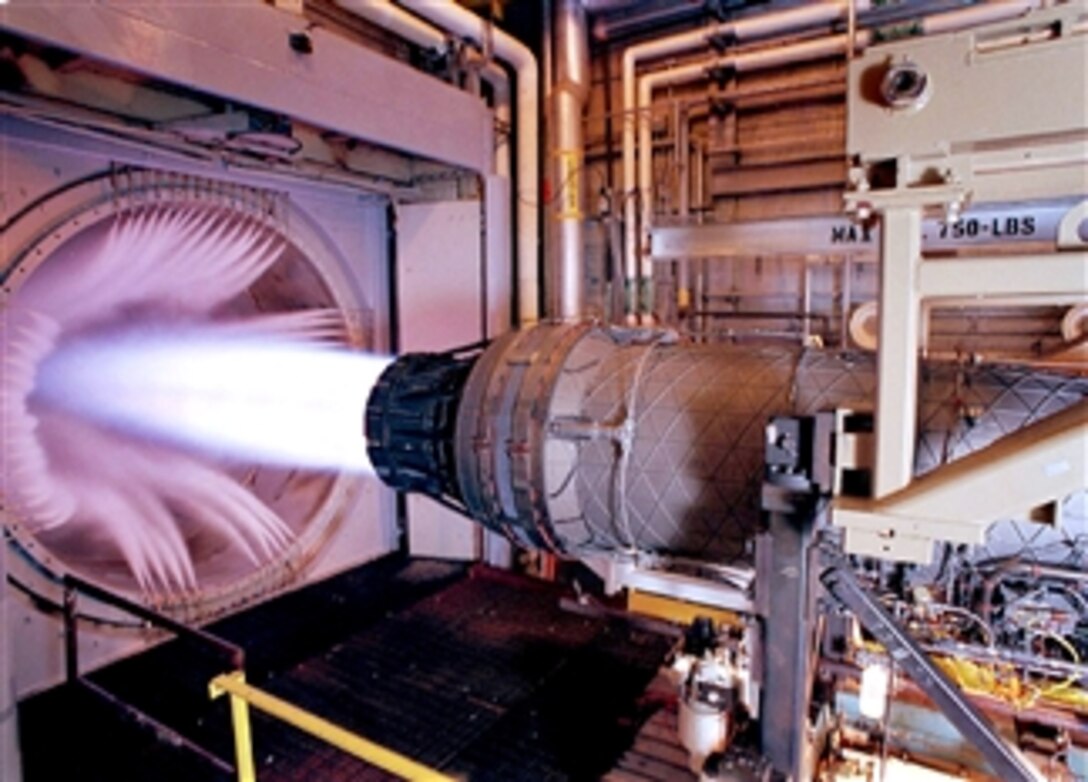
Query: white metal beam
[
  {"x": 897, "y": 364},
  {"x": 240, "y": 51},
  {"x": 1035, "y": 467},
  {"x": 1008, "y": 276}
]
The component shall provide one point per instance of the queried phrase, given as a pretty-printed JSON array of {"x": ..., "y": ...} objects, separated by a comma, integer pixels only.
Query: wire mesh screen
[{"x": 688, "y": 481}]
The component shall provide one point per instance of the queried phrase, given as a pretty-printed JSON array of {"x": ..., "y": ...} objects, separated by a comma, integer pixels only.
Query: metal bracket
[{"x": 1035, "y": 467}]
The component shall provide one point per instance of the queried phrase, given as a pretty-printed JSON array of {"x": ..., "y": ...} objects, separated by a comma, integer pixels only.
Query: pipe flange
[
  {"x": 906, "y": 86},
  {"x": 864, "y": 326}
]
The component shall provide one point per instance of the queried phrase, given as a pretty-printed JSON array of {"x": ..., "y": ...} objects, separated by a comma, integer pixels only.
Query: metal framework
[
  {"x": 943, "y": 161},
  {"x": 1030, "y": 471}
]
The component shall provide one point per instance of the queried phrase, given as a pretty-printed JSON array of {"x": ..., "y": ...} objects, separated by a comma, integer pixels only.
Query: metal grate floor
[{"x": 474, "y": 672}]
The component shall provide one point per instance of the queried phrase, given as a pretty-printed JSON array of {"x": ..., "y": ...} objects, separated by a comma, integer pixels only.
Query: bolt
[{"x": 300, "y": 43}]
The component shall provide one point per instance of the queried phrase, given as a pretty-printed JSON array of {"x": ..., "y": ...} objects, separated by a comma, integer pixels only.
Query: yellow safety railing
[{"x": 243, "y": 695}]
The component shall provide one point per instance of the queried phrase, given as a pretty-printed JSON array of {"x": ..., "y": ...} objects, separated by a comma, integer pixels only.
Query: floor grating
[{"x": 471, "y": 671}]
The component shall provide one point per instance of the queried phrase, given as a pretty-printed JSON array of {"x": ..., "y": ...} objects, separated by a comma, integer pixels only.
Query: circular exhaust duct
[{"x": 62, "y": 488}]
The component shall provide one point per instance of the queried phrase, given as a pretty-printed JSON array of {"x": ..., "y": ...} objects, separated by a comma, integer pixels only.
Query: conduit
[
  {"x": 741, "y": 63},
  {"x": 981, "y": 13},
  {"x": 383, "y": 14}
]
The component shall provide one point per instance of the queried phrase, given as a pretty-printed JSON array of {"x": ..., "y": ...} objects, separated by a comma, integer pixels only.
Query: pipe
[
  {"x": 991, "y": 704},
  {"x": 983, "y": 13},
  {"x": 571, "y": 88},
  {"x": 500, "y": 93},
  {"x": 699, "y": 182},
  {"x": 740, "y": 63},
  {"x": 683, "y": 162},
  {"x": 506, "y": 48},
  {"x": 611, "y": 25},
  {"x": 637, "y": 99},
  {"x": 1013, "y": 566},
  {"x": 547, "y": 47},
  {"x": 386, "y": 15},
  {"x": 383, "y": 14},
  {"x": 741, "y": 30},
  {"x": 604, "y": 6},
  {"x": 682, "y": 131},
  {"x": 496, "y": 78}
]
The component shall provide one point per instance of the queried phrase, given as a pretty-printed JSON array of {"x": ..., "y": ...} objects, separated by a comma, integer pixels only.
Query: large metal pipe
[
  {"x": 383, "y": 14},
  {"x": 974, "y": 15},
  {"x": 570, "y": 89},
  {"x": 587, "y": 441}
]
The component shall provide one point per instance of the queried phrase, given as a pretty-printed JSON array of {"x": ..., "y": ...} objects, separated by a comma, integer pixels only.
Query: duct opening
[{"x": 193, "y": 533}]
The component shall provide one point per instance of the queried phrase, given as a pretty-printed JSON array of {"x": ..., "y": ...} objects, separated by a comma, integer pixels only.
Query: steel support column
[
  {"x": 786, "y": 595},
  {"x": 900, "y": 334}
]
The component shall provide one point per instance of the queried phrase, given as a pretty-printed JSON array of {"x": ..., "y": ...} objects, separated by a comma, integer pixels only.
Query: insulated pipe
[
  {"x": 386, "y": 15},
  {"x": 463, "y": 23},
  {"x": 500, "y": 92},
  {"x": 635, "y": 107},
  {"x": 571, "y": 87},
  {"x": 741, "y": 63},
  {"x": 745, "y": 29},
  {"x": 983, "y": 13},
  {"x": 613, "y": 26},
  {"x": 683, "y": 162},
  {"x": 383, "y": 14}
]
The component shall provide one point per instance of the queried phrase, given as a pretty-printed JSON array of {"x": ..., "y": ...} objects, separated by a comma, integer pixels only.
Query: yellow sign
[{"x": 569, "y": 185}]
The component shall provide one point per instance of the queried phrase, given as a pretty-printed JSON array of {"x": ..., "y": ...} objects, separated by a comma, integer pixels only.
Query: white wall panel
[{"x": 441, "y": 306}]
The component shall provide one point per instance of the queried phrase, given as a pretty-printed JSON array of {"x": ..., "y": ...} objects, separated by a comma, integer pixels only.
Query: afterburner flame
[
  {"x": 249, "y": 397},
  {"x": 129, "y": 391}
]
